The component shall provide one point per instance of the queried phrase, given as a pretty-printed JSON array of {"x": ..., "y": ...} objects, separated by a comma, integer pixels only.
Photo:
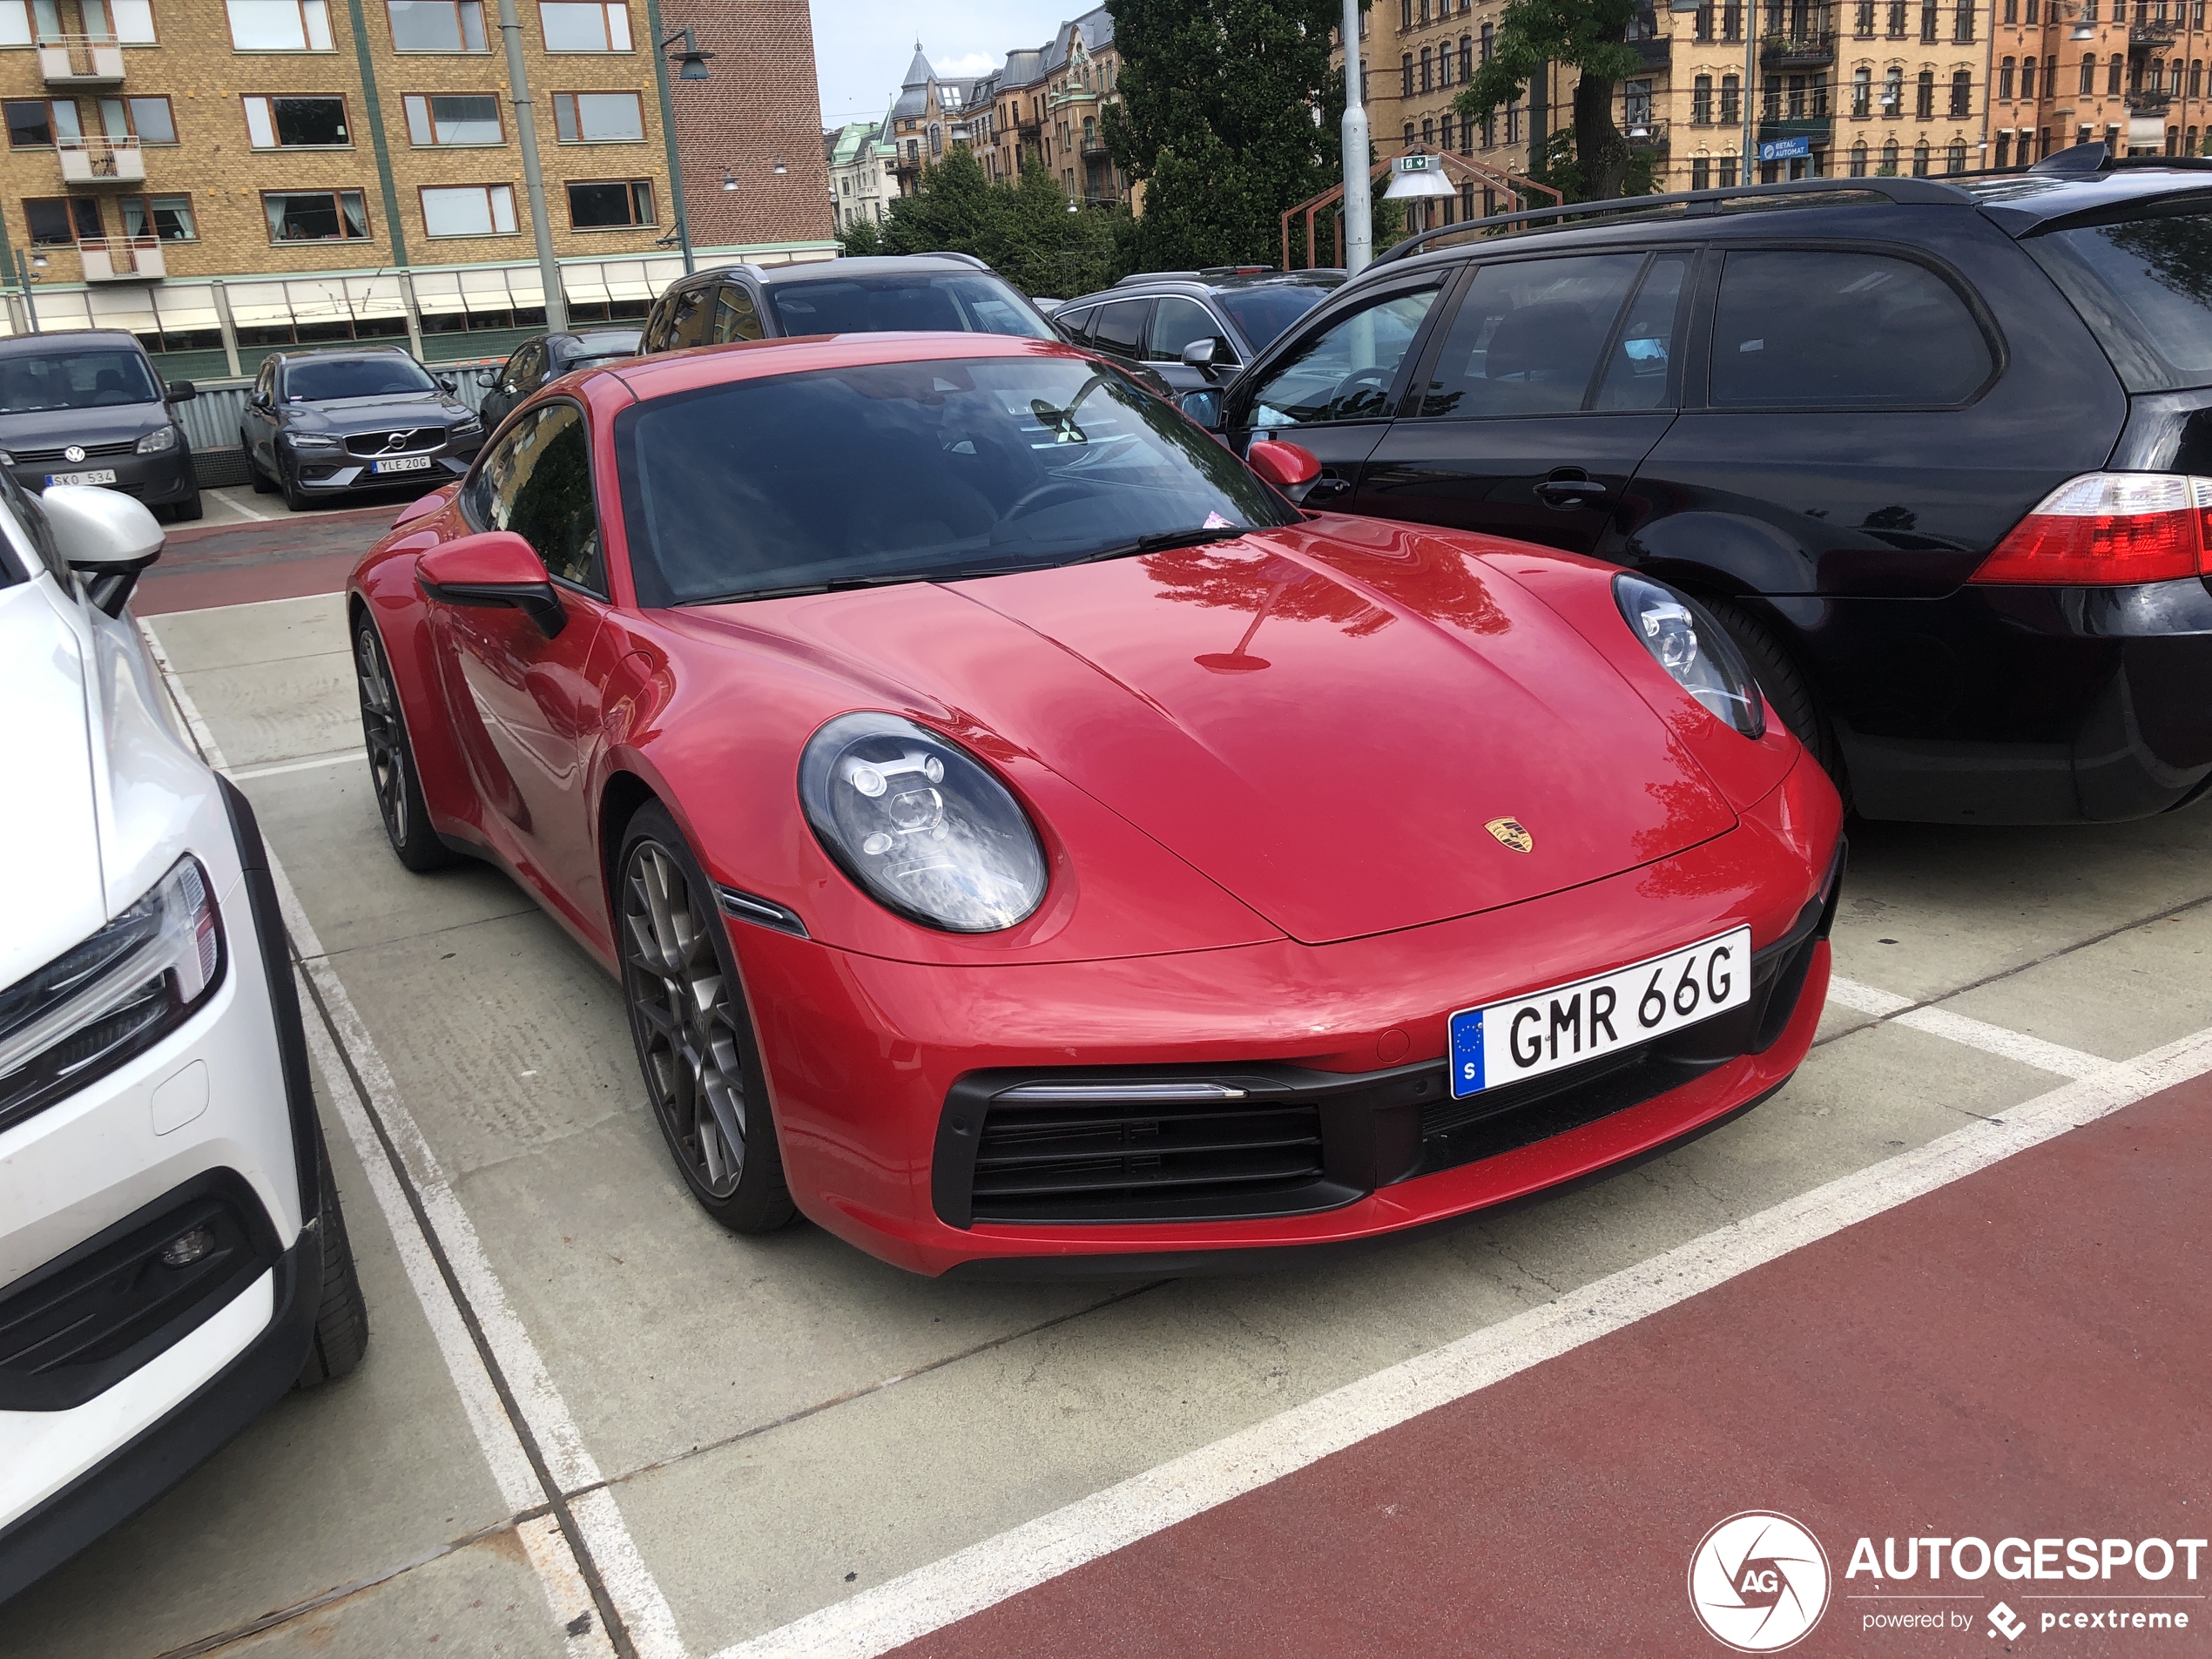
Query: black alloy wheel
[
  {"x": 391, "y": 762},
  {"x": 695, "y": 1043}
]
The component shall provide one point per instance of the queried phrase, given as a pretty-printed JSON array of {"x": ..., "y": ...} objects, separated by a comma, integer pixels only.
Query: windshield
[
  {"x": 952, "y": 303},
  {"x": 1261, "y": 314},
  {"x": 75, "y": 380},
  {"x": 906, "y": 471},
  {"x": 2144, "y": 286},
  {"x": 314, "y": 382}
]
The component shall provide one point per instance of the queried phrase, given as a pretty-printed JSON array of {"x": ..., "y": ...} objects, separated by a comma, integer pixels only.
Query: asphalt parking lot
[{"x": 585, "y": 1406}]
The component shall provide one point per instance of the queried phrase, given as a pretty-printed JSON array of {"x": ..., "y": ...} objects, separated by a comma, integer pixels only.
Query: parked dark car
[
  {"x": 547, "y": 358},
  {"x": 947, "y": 293},
  {"x": 85, "y": 407},
  {"x": 324, "y": 424},
  {"x": 1195, "y": 328},
  {"x": 1936, "y": 452}
]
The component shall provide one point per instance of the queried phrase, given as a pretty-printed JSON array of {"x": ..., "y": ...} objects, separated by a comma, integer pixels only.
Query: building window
[
  {"x": 1920, "y": 160},
  {"x": 1702, "y": 29},
  {"x": 598, "y": 117},
  {"x": 1728, "y": 173},
  {"x": 1889, "y": 159},
  {"x": 2005, "y": 81},
  {"x": 1924, "y": 96},
  {"x": 1962, "y": 93},
  {"x": 1858, "y": 159},
  {"x": 1732, "y": 100},
  {"x": 1954, "y": 160},
  {"x": 167, "y": 217},
  {"x": 1467, "y": 57},
  {"x": 613, "y": 204},
  {"x": 1962, "y": 26},
  {"x": 1732, "y": 22},
  {"x": 1404, "y": 14},
  {"x": 2027, "y": 80},
  {"x": 1771, "y": 98},
  {"x": 1444, "y": 66},
  {"x": 280, "y": 25},
  {"x": 1862, "y": 25},
  {"x": 437, "y": 26},
  {"x": 316, "y": 215},
  {"x": 1701, "y": 101},
  {"x": 468, "y": 210},
  {"x": 1896, "y": 20},
  {"x": 1427, "y": 80},
  {"x": 1489, "y": 41},
  {"x": 30, "y": 123},
  {"x": 2112, "y": 77},
  {"x": 1862, "y": 91},
  {"x": 58, "y": 221},
  {"x": 151, "y": 119},
  {"x": 439, "y": 118},
  {"x": 1405, "y": 74},
  {"x": 2196, "y": 77},
  {"x": 123, "y": 22},
  {"x": 295, "y": 123},
  {"x": 1409, "y": 137},
  {"x": 2088, "y": 74},
  {"x": 1928, "y": 24},
  {"x": 1701, "y": 173},
  {"x": 1446, "y": 129},
  {"x": 2005, "y": 151},
  {"x": 572, "y": 27},
  {"x": 2012, "y": 11}
]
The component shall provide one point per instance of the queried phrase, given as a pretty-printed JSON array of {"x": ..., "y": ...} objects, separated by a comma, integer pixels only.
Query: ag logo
[
  {"x": 1511, "y": 834},
  {"x": 1758, "y": 1582}
]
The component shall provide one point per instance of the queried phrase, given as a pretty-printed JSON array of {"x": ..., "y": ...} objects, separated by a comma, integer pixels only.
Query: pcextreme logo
[{"x": 1758, "y": 1582}]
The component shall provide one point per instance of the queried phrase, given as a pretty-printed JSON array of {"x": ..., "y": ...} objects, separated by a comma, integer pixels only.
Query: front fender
[{"x": 384, "y": 588}]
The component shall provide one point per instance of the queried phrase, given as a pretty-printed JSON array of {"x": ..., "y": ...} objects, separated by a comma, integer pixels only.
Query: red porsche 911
[{"x": 1028, "y": 842}]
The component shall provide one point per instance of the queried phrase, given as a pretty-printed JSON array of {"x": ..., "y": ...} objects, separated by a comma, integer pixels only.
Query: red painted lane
[
  {"x": 286, "y": 559},
  {"x": 2027, "y": 1351}
]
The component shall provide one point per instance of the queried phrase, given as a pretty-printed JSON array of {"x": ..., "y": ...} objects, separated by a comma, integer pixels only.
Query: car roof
[
  {"x": 320, "y": 353},
  {"x": 1143, "y": 287},
  {"x": 869, "y": 265},
  {"x": 45, "y": 341},
  {"x": 2020, "y": 203},
  {"x": 682, "y": 371}
]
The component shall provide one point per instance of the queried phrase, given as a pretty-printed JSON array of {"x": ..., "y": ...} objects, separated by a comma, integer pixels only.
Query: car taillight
[{"x": 2108, "y": 528}]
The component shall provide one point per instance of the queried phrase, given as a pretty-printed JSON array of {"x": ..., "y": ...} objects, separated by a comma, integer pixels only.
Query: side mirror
[
  {"x": 492, "y": 570},
  {"x": 107, "y": 538},
  {"x": 182, "y": 391},
  {"x": 449, "y": 382},
  {"x": 487, "y": 378},
  {"x": 1204, "y": 407},
  {"x": 1199, "y": 354},
  {"x": 1290, "y": 468},
  {"x": 258, "y": 400}
]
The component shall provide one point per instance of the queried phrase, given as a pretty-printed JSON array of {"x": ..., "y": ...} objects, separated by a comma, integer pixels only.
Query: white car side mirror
[{"x": 107, "y": 538}]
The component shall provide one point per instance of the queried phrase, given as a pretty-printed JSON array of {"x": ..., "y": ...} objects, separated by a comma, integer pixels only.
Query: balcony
[
  {"x": 1648, "y": 135},
  {"x": 2142, "y": 37},
  {"x": 102, "y": 161},
  {"x": 123, "y": 258},
  {"x": 1796, "y": 51},
  {"x": 1094, "y": 144},
  {"x": 2141, "y": 102},
  {"x": 78, "y": 60},
  {"x": 1657, "y": 55},
  {"x": 1818, "y": 128}
]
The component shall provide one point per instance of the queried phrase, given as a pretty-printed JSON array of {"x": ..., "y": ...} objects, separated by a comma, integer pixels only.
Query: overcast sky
[{"x": 862, "y": 47}]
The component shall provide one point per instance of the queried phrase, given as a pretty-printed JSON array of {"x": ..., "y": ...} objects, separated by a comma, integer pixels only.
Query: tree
[
  {"x": 1590, "y": 35},
  {"x": 1218, "y": 118},
  {"x": 1022, "y": 230}
]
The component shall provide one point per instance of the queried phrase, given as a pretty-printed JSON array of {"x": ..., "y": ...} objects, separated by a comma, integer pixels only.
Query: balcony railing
[
  {"x": 102, "y": 161},
  {"x": 123, "y": 258},
  {"x": 2142, "y": 102},
  {"x": 1647, "y": 135},
  {"x": 1797, "y": 51},
  {"x": 78, "y": 60}
]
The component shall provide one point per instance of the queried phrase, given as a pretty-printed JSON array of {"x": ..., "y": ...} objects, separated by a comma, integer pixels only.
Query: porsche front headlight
[
  {"x": 921, "y": 825},
  {"x": 1684, "y": 639}
]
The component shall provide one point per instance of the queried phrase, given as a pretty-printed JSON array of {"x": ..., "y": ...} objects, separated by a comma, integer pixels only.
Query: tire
[
  {"x": 295, "y": 498},
  {"x": 696, "y": 1049},
  {"x": 187, "y": 510},
  {"x": 254, "y": 476},
  {"x": 391, "y": 759},
  {"x": 341, "y": 1315},
  {"x": 1787, "y": 690}
]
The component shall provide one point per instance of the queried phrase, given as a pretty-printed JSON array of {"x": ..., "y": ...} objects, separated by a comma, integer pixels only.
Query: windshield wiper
[{"x": 1161, "y": 541}]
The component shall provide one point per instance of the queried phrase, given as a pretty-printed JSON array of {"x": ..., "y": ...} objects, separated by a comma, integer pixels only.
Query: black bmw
[{"x": 323, "y": 424}]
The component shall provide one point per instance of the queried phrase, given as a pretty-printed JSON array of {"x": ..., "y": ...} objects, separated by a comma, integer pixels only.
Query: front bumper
[
  {"x": 336, "y": 473},
  {"x": 159, "y": 481},
  {"x": 862, "y": 1055},
  {"x": 2018, "y": 704}
]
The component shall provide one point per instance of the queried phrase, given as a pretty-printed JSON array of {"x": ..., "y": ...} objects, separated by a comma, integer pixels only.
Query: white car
[{"x": 172, "y": 1254}]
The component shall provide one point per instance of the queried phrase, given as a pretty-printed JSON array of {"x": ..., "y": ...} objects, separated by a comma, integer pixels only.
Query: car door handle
[
  {"x": 1572, "y": 492},
  {"x": 1327, "y": 487}
]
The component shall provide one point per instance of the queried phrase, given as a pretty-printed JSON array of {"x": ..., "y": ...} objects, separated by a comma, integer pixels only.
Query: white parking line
[
  {"x": 637, "y": 1597},
  {"x": 984, "y": 1574},
  {"x": 1957, "y": 1028},
  {"x": 240, "y": 774}
]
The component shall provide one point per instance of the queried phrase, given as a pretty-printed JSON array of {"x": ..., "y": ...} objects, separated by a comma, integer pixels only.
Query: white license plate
[
  {"x": 1530, "y": 1035},
  {"x": 97, "y": 476},
  {"x": 404, "y": 463}
]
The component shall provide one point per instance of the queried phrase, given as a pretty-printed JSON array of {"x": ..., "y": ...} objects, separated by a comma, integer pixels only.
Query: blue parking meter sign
[{"x": 1785, "y": 149}]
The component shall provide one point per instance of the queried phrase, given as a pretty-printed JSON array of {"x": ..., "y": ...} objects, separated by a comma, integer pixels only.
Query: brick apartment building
[{"x": 224, "y": 176}]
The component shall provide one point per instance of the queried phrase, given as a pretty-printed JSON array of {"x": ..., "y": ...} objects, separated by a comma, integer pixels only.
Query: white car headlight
[
  {"x": 1683, "y": 639},
  {"x": 310, "y": 441},
  {"x": 113, "y": 996},
  {"x": 158, "y": 441},
  {"x": 922, "y": 827}
]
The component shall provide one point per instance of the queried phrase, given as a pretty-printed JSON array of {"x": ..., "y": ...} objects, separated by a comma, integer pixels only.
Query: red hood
[{"x": 1321, "y": 720}]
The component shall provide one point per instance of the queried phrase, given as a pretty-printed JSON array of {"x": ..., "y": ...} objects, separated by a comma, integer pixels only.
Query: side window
[
  {"x": 1639, "y": 369},
  {"x": 690, "y": 316},
  {"x": 1075, "y": 325},
  {"x": 1829, "y": 330},
  {"x": 1176, "y": 322},
  {"x": 529, "y": 371},
  {"x": 735, "y": 317},
  {"x": 1528, "y": 335},
  {"x": 265, "y": 382},
  {"x": 1120, "y": 327},
  {"x": 536, "y": 481},
  {"x": 1343, "y": 369}
]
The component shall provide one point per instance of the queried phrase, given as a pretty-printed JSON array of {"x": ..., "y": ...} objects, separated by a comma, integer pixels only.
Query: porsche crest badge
[{"x": 1512, "y": 834}]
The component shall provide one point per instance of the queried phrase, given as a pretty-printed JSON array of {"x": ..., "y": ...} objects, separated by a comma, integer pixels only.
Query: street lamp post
[
  {"x": 518, "y": 90},
  {"x": 690, "y": 65},
  {"x": 1357, "y": 210}
]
